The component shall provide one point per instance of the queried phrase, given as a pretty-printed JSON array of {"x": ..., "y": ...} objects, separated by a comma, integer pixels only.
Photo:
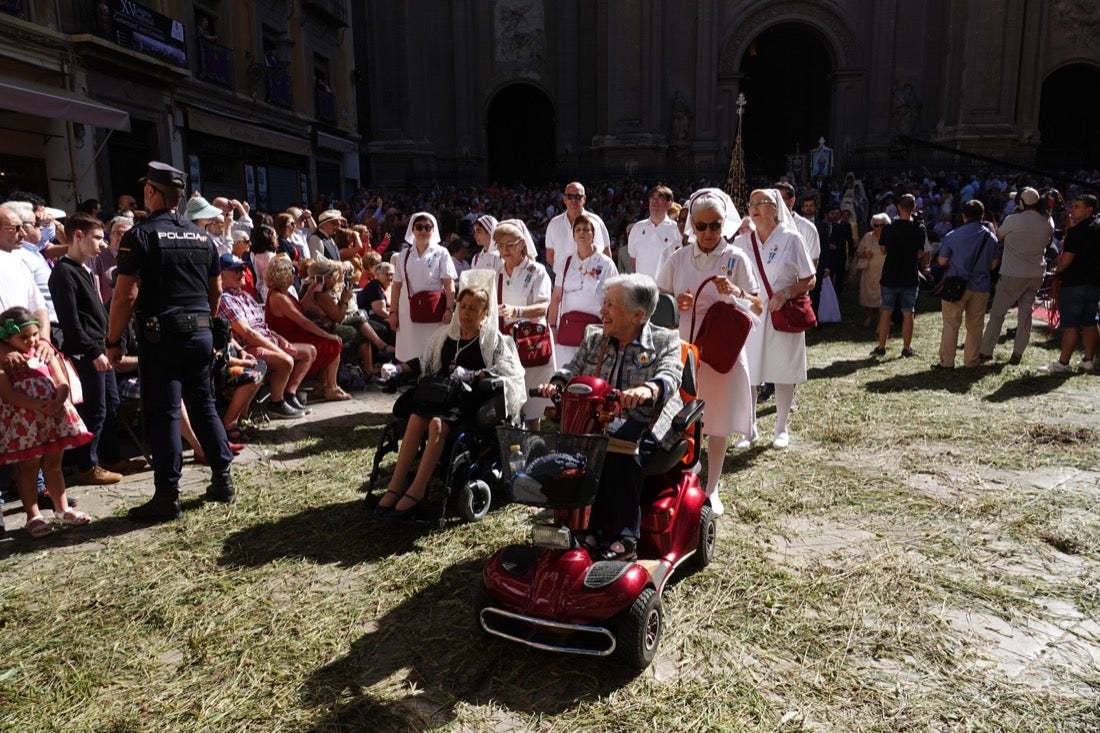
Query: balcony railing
[
  {"x": 215, "y": 63},
  {"x": 326, "y": 105},
  {"x": 278, "y": 87}
]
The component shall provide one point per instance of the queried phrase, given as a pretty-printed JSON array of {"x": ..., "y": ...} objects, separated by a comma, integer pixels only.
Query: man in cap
[
  {"x": 322, "y": 246},
  {"x": 1025, "y": 235},
  {"x": 169, "y": 277}
]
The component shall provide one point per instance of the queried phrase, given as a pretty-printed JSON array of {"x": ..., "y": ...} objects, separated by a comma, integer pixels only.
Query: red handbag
[
  {"x": 571, "y": 325},
  {"x": 797, "y": 314},
  {"x": 533, "y": 343},
  {"x": 427, "y": 306},
  {"x": 722, "y": 334}
]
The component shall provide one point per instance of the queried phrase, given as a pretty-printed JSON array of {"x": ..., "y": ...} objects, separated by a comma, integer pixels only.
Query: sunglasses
[
  {"x": 702, "y": 226},
  {"x": 423, "y": 227},
  {"x": 574, "y": 196},
  {"x": 877, "y": 226}
]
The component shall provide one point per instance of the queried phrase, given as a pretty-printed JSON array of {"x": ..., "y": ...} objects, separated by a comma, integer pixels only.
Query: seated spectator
[
  {"x": 287, "y": 363},
  {"x": 261, "y": 250},
  {"x": 285, "y": 314},
  {"x": 327, "y": 304},
  {"x": 374, "y": 300}
]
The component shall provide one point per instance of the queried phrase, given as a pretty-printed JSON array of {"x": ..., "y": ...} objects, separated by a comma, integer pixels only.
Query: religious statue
[
  {"x": 681, "y": 121},
  {"x": 904, "y": 109},
  {"x": 821, "y": 160}
]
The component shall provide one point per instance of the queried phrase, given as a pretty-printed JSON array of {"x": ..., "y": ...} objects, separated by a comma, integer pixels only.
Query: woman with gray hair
[
  {"x": 643, "y": 362},
  {"x": 870, "y": 256},
  {"x": 710, "y": 256}
]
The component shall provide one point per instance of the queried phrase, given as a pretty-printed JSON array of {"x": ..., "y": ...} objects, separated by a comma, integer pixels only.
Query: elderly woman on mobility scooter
[
  {"x": 465, "y": 350},
  {"x": 643, "y": 362}
]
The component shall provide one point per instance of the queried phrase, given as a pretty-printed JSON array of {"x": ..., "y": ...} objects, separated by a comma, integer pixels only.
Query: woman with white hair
[
  {"x": 870, "y": 256},
  {"x": 487, "y": 257},
  {"x": 523, "y": 294},
  {"x": 424, "y": 267},
  {"x": 730, "y": 408},
  {"x": 777, "y": 356}
]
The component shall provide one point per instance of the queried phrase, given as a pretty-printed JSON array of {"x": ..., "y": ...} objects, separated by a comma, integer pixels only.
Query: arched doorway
[
  {"x": 786, "y": 78},
  {"x": 520, "y": 128},
  {"x": 1069, "y": 116}
]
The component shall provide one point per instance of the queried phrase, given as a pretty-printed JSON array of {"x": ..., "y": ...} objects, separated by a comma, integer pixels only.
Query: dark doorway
[
  {"x": 1069, "y": 116},
  {"x": 128, "y": 155},
  {"x": 520, "y": 131},
  {"x": 788, "y": 86}
]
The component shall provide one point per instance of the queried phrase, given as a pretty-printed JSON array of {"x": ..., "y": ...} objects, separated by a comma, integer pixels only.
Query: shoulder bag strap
[
  {"x": 565, "y": 271},
  {"x": 695, "y": 305},
  {"x": 500, "y": 290},
  {"x": 977, "y": 254},
  {"x": 760, "y": 265},
  {"x": 405, "y": 267}
]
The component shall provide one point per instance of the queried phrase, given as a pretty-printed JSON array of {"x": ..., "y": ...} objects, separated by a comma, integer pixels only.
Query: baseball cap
[
  {"x": 231, "y": 261},
  {"x": 1029, "y": 196}
]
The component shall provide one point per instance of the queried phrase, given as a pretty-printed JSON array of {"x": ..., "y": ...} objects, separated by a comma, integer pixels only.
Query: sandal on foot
[
  {"x": 408, "y": 513},
  {"x": 624, "y": 549},
  {"x": 38, "y": 527},
  {"x": 379, "y": 509},
  {"x": 72, "y": 518},
  {"x": 336, "y": 395}
]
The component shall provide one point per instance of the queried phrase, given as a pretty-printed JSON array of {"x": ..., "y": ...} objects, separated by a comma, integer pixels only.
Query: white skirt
[
  {"x": 412, "y": 338},
  {"x": 730, "y": 403}
]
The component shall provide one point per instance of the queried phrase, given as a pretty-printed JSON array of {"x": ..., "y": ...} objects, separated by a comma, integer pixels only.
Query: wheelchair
[{"x": 470, "y": 469}]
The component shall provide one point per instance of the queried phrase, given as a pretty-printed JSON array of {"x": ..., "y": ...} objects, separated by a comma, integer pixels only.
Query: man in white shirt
[
  {"x": 810, "y": 238},
  {"x": 649, "y": 238},
  {"x": 559, "y": 232},
  {"x": 26, "y": 250},
  {"x": 303, "y": 228},
  {"x": 17, "y": 287}
]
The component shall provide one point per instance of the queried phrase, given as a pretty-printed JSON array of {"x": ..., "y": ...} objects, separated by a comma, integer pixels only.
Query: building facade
[
  {"x": 508, "y": 90},
  {"x": 253, "y": 99}
]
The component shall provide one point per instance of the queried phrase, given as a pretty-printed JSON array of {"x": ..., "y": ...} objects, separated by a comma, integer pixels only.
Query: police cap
[{"x": 164, "y": 175}]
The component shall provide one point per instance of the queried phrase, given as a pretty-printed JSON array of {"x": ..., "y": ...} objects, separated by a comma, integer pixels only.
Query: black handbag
[
  {"x": 954, "y": 288},
  {"x": 437, "y": 392}
]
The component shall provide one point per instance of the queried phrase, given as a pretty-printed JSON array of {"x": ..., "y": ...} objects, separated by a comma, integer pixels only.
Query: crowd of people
[{"x": 213, "y": 313}]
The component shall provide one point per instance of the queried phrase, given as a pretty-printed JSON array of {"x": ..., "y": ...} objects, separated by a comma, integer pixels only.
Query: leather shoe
[
  {"x": 126, "y": 465},
  {"x": 156, "y": 510},
  {"x": 45, "y": 502},
  {"x": 96, "y": 476},
  {"x": 221, "y": 488}
]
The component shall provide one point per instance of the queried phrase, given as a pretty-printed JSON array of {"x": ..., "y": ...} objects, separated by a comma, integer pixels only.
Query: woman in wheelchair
[
  {"x": 467, "y": 349},
  {"x": 643, "y": 362}
]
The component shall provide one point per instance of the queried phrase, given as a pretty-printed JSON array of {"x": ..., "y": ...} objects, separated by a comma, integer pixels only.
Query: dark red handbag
[
  {"x": 533, "y": 343},
  {"x": 427, "y": 306},
  {"x": 722, "y": 334},
  {"x": 797, "y": 314},
  {"x": 571, "y": 325}
]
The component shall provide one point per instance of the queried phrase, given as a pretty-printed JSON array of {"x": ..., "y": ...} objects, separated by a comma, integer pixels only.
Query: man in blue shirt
[{"x": 970, "y": 251}]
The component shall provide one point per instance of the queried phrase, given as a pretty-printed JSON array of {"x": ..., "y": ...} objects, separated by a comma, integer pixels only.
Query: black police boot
[
  {"x": 221, "y": 488},
  {"x": 158, "y": 509}
]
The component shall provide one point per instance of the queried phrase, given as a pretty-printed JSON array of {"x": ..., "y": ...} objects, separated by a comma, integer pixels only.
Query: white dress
[
  {"x": 529, "y": 283},
  {"x": 774, "y": 356},
  {"x": 730, "y": 402},
  {"x": 486, "y": 261},
  {"x": 426, "y": 272},
  {"x": 582, "y": 290}
]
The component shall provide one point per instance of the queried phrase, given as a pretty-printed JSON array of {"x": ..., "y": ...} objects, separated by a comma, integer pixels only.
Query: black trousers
[
  {"x": 99, "y": 411},
  {"x": 175, "y": 369}
]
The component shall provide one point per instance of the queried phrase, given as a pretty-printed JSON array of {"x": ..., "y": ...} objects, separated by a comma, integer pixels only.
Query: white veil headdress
[
  {"x": 731, "y": 220},
  {"x": 532, "y": 253},
  {"x": 435, "y": 239}
]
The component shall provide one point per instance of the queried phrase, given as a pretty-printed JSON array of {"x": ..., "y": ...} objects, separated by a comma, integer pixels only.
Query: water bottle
[{"x": 516, "y": 461}]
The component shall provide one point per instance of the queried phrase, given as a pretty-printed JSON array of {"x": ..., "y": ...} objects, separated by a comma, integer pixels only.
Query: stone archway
[
  {"x": 1069, "y": 116},
  {"x": 520, "y": 136}
]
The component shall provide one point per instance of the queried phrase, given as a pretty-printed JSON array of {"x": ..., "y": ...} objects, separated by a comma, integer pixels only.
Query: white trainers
[
  {"x": 717, "y": 508},
  {"x": 742, "y": 444},
  {"x": 1085, "y": 365},
  {"x": 1056, "y": 367},
  {"x": 783, "y": 440},
  {"x": 388, "y": 372}
]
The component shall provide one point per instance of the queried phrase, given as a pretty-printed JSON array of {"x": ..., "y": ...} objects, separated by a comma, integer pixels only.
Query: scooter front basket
[{"x": 559, "y": 471}]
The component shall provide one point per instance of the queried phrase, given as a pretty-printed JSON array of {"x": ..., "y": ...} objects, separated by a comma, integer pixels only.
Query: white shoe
[
  {"x": 1085, "y": 365},
  {"x": 783, "y": 440},
  {"x": 717, "y": 508},
  {"x": 388, "y": 372},
  {"x": 1056, "y": 367},
  {"x": 742, "y": 444}
]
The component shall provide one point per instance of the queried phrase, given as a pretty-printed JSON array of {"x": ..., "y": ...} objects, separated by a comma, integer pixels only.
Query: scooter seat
[{"x": 665, "y": 460}]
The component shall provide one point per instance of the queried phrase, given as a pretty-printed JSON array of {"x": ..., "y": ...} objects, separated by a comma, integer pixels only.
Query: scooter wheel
[
  {"x": 475, "y": 500},
  {"x": 640, "y": 630},
  {"x": 708, "y": 538}
]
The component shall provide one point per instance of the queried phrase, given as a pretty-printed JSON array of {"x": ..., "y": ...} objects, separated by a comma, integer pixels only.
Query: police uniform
[{"x": 174, "y": 260}]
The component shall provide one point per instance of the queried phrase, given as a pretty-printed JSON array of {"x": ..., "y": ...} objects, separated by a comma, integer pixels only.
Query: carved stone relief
[{"x": 520, "y": 32}]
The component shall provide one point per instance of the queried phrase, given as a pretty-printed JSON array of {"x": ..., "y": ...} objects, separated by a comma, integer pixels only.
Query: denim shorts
[
  {"x": 1077, "y": 305},
  {"x": 904, "y": 298}
]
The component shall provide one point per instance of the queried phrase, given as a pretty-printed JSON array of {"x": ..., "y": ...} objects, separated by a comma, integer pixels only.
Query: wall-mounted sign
[{"x": 136, "y": 27}]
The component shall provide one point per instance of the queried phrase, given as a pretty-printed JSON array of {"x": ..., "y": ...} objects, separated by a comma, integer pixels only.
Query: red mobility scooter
[{"x": 552, "y": 594}]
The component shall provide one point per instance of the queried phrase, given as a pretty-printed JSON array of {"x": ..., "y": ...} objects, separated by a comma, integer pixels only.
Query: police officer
[{"x": 168, "y": 277}]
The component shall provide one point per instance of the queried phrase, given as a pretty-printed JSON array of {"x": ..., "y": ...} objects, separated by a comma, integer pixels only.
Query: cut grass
[{"x": 909, "y": 500}]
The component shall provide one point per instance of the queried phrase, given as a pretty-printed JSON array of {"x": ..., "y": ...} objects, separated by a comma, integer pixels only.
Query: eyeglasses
[
  {"x": 761, "y": 202},
  {"x": 702, "y": 226},
  {"x": 423, "y": 227},
  {"x": 574, "y": 196},
  {"x": 11, "y": 227},
  {"x": 877, "y": 226},
  {"x": 507, "y": 245}
]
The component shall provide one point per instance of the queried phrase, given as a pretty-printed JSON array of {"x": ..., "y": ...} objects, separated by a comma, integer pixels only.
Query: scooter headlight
[{"x": 551, "y": 536}]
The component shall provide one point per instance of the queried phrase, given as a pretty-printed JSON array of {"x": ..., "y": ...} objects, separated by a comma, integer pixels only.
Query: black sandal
[
  {"x": 628, "y": 553},
  {"x": 379, "y": 510}
]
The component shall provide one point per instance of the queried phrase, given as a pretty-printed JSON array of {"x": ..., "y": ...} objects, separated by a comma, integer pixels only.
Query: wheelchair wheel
[
  {"x": 708, "y": 537},
  {"x": 475, "y": 500},
  {"x": 640, "y": 630}
]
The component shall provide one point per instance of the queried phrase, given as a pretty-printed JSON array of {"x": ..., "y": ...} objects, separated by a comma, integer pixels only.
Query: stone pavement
[{"x": 103, "y": 501}]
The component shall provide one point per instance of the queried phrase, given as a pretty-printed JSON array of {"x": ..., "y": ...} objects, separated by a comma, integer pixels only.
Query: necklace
[{"x": 460, "y": 347}]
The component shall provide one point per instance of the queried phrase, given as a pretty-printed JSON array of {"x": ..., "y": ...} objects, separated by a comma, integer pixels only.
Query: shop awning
[{"x": 61, "y": 104}]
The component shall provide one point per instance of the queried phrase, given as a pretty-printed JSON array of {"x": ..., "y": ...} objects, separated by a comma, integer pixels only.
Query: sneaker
[
  {"x": 156, "y": 510},
  {"x": 765, "y": 394},
  {"x": 717, "y": 508},
  {"x": 783, "y": 440},
  {"x": 1015, "y": 359},
  {"x": 908, "y": 353},
  {"x": 1056, "y": 367},
  {"x": 878, "y": 351},
  {"x": 293, "y": 401},
  {"x": 282, "y": 411},
  {"x": 743, "y": 444},
  {"x": 96, "y": 476},
  {"x": 1085, "y": 365}
]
